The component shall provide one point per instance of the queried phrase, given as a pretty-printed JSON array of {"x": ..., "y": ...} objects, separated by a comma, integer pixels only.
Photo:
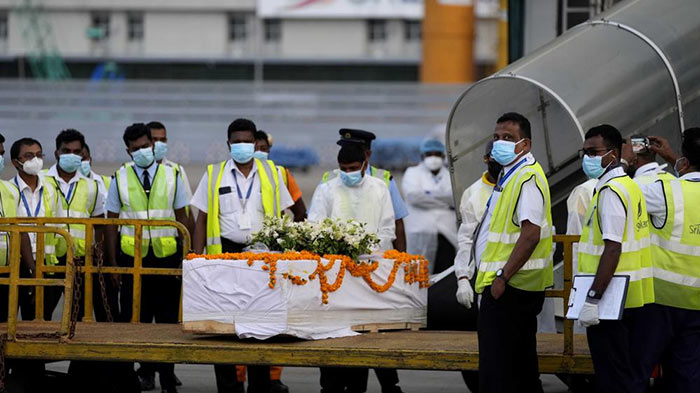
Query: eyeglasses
[
  {"x": 30, "y": 156},
  {"x": 590, "y": 152}
]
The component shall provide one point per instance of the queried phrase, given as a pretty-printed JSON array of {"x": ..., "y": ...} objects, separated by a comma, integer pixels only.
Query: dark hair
[
  {"x": 136, "y": 131},
  {"x": 351, "y": 152},
  {"x": 14, "y": 150},
  {"x": 2, "y": 139},
  {"x": 522, "y": 122},
  {"x": 69, "y": 135},
  {"x": 262, "y": 136},
  {"x": 87, "y": 148},
  {"x": 241, "y": 125},
  {"x": 690, "y": 147},
  {"x": 611, "y": 136},
  {"x": 155, "y": 125}
]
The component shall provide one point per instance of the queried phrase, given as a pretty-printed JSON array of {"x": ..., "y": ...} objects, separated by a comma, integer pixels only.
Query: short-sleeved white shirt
[
  {"x": 611, "y": 211},
  {"x": 231, "y": 207}
]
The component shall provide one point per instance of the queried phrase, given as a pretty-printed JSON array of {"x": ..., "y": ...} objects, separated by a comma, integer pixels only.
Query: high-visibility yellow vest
[
  {"x": 49, "y": 201},
  {"x": 83, "y": 198},
  {"x": 107, "y": 180},
  {"x": 158, "y": 205},
  {"x": 381, "y": 174},
  {"x": 270, "y": 193},
  {"x": 635, "y": 260},
  {"x": 285, "y": 176},
  {"x": 503, "y": 233},
  {"x": 9, "y": 200},
  {"x": 652, "y": 177},
  {"x": 675, "y": 247}
]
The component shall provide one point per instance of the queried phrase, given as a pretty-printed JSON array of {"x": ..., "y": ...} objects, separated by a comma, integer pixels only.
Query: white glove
[
  {"x": 465, "y": 293},
  {"x": 589, "y": 315}
]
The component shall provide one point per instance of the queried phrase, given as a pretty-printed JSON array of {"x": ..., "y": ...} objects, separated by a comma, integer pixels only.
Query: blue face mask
[
  {"x": 143, "y": 158},
  {"x": 504, "y": 151},
  {"x": 2, "y": 163},
  {"x": 351, "y": 179},
  {"x": 242, "y": 152},
  {"x": 160, "y": 150},
  {"x": 261, "y": 155},
  {"x": 69, "y": 162},
  {"x": 593, "y": 166},
  {"x": 85, "y": 168}
]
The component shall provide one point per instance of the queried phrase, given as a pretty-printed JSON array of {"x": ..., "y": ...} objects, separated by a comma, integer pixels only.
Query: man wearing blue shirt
[{"x": 148, "y": 190}]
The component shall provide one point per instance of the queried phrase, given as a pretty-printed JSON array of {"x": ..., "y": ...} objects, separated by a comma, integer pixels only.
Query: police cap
[{"x": 348, "y": 135}]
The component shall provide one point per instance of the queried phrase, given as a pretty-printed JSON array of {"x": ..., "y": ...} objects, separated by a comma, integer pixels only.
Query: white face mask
[
  {"x": 33, "y": 166},
  {"x": 433, "y": 163}
]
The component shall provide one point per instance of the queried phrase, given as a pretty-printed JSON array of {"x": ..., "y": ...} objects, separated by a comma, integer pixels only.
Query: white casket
[{"x": 239, "y": 297}]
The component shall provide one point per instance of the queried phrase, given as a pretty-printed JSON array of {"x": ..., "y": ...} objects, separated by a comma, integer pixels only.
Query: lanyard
[
  {"x": 503, "y": 179},
  {"x": 244, "y": 202},
  {"x": 26, "y": 204},
  {"x": 70, "y": 193}
]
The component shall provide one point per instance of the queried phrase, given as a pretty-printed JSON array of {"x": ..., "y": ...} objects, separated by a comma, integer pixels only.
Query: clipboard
[{"x": 611, "y": 305}]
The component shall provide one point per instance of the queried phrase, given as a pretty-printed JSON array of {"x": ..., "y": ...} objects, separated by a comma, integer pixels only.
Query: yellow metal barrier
[
  {"x": 14, "y": 281},
  {"x": 46, "y": 224},
  {"x": 567, "y": 242}
]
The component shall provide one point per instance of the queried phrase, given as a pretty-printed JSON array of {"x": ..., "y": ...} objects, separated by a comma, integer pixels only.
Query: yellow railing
[
  {"x": 17, "y": 224},
  {"x": 14, "y": 281},
  {"x": 567, "y": 242}
]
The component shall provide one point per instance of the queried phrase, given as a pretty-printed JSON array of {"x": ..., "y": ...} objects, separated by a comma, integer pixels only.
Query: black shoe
[
  {"x": 171, "y": 390},
  {"x": 393, "y": 389},
  {"x": 148, "y": 382},
  {"x": 278, "y": 387},
  {"x": 177, "y": 380}
]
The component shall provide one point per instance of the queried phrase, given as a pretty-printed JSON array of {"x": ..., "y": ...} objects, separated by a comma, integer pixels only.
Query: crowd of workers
[{"x": 502, "y": 250}]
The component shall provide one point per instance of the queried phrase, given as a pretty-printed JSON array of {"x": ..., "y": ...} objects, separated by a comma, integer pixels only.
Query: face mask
[
  {"x": 593, "y": 166},
  {"x": 160, "y": 149},
  {"x": 2, "y": 163},
  {"x": 242, "y": 152},
  {"x": 494, "y": 169},
  {"x": 675, "y": 167},
  {"x": 504, "y": 151},
  {"x": 433, "y": 163},
  {"x": 143, "y": 158},
  {"x": 69, "y": 162},
  {"x": 261, "y": 155},
  {"x": 85, "y": 168},
  {"x": 33, "y": 166},
  {"x": 351, "y": 179}
]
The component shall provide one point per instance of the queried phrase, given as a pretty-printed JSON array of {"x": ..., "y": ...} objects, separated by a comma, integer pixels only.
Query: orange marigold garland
[{"x": 415, "y": 268}]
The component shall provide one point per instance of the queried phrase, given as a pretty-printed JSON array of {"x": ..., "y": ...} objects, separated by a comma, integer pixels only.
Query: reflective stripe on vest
[
  {"x": 9, "y": 209},
  {"x": 675, "y": 247},
  {"x": 381, "y": 174},
  {"x": 635, "y": 259},
  {"x": 285, "y": 176},
  {"x": 81, "y": 205},
  {"x": 158, "y": 205},
  {"x": 269, "y": 191},
  {"x": 537, "y": 273}
]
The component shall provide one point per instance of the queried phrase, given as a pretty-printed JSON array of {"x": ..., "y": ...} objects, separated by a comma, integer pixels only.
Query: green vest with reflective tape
[
  {"x": 107, "y": 180},
  {"x": 157, "y": 205},
  {"x": 269, "y": 189},
  {"x": 49, "y": 201},
  {"x": 285, "y": 176},
  {"x": 675, "y": 247},
  {"x": 9, "y": 200},
  {"x": 650, "y": 178},
  {"x": 381, "y": 174},
  {"x": 635, "y": 259},
  {"x": 503, "y": 233},
  {"x": 83, "y": 196}
]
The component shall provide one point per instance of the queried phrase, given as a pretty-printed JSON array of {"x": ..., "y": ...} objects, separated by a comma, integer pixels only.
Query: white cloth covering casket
[{"x": 230, "y": 291}]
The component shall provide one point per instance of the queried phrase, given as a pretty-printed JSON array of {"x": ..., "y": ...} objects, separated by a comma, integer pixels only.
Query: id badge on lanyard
[{"x": 244, "y": 221}]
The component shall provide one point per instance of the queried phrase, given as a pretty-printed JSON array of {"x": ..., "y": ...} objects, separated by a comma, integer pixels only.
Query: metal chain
[
  {"x": 77, "y": 283},
  {"x": 99, "y": 255}
]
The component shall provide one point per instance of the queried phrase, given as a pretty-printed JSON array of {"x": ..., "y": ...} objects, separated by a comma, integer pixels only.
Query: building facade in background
[{"x": 237, "y": 39}]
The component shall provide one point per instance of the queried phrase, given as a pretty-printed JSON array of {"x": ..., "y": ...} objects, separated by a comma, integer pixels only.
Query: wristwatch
[
  {"x": 593, "y": 294},
  {"x": 499, "y": 274}
]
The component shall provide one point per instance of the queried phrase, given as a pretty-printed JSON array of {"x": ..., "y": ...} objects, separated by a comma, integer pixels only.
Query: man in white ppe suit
[{"x": 431, "y": 223}]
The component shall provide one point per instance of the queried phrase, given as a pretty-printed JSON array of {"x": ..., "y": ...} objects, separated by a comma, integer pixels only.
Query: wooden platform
[{"x": 428, "y": 350}]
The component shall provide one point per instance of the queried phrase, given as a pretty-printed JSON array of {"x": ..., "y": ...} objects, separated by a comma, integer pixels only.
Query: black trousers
[
  {"x": 508, "y": 341},
  {"x": 226, "y": 376},
  {"x": 160, "y": 301},
  {"x": 344, "y": 379},
  {"x": 610, "y": 343},
  {"x": 670, "y": 336}
]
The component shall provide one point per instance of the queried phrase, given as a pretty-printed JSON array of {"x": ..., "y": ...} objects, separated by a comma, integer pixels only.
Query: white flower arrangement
[{"x": 330, "y": 236}]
